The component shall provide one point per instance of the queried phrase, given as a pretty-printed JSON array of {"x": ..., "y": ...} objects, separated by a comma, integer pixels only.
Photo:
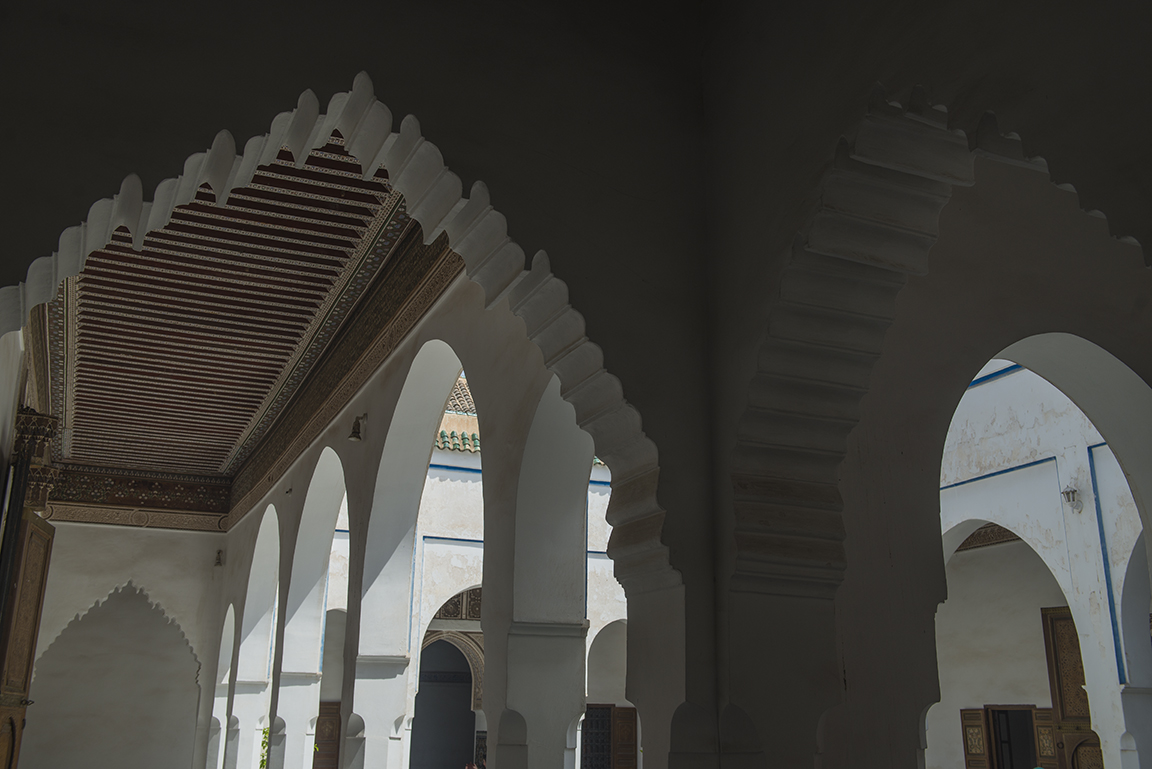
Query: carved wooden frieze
[{"x": 99, "y": 486}]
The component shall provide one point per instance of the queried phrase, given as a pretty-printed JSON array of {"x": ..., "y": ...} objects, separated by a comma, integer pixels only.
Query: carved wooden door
[
  {"x": 1077, "y": 746},
  {"x": 1045, "y": 728},
  {"x": 22, "y": 626},
  {"x": 624, "y": 744},
  {"x": 977, "y": 741},
  {"x": 327, "y": 750}
]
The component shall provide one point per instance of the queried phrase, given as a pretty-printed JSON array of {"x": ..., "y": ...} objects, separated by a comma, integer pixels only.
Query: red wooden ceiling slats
[{"x": 178, "y": 345}]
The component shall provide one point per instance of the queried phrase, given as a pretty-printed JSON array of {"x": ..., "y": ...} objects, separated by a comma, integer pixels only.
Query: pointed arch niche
[{"x": 125, "y": 660}]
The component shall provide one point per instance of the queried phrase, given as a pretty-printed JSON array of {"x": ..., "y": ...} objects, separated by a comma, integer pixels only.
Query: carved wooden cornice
[{"x": 406, "y": 289}]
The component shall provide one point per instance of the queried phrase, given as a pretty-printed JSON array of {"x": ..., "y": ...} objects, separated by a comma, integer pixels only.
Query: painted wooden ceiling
[{"x": 178, "y": 356}]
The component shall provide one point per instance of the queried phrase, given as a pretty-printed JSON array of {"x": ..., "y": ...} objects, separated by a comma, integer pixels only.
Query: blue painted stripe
[
  {"x": 1024, "y": 466},
  {"x": 473, "y": 470},
  {"x": 1120, "y": 672},
  {"x": 428, "y": 537},
  {"x": 478, "y": 471},
  {"x": 995, "y": 375}
]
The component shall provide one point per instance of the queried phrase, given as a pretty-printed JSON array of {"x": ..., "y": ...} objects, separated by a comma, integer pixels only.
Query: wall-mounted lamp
[
  {"x": 1072, "y": 497},
  {"x": 219, "y": 558},
  {"x": 357, "y": 426}
]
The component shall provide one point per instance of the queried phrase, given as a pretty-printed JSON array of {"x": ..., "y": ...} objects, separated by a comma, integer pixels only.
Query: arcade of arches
[{"x": 818, "y": 438}]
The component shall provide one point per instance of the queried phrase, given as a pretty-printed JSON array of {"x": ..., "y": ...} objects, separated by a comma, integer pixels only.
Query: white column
[
  {"x": 298, "y": 704},
  {"x": 546, "y": 686},
  {"x": 381, "y": 695},
  {"x": 250, "y": 707}
]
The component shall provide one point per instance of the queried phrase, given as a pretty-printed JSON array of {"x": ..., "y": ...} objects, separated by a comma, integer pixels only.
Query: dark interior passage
[{"x": 443, "y": 729}]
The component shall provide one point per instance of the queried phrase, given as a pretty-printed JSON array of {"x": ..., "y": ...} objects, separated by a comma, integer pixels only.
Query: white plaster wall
[
  {"x": 989, "y": 640},
  {"x": 175, "y": 568},
  {"x": 1009, "y": 421}
]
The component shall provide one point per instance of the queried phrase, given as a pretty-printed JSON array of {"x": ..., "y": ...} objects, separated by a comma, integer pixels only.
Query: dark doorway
[
  {"x": 443, "y": 727},
  {"x": 1012, "y": 738}
]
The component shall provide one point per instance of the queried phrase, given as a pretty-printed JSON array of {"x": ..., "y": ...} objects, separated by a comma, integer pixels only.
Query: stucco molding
[{"x": 876, "y": 219}]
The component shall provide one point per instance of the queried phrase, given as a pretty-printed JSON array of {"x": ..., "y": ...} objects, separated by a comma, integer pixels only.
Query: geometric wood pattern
[
  {"x": 179, "y": 356},
  {"x": 976, "y": 738},
  {"x": 464, "y": 605}
]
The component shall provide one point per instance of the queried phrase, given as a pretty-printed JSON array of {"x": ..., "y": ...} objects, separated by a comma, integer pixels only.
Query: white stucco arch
[
  {"x": 1112, "y": 395},
  {"x": 260, "y": 602},
  {"x": 304, "y": 606},
  {"x": 396, "y": 502},
  {"x": 527, "y": 293}
]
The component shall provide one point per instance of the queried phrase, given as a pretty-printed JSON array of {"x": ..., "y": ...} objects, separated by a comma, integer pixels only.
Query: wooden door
[
  {"x": 974, "y": 726},
  {"x": 624, "y": 738},
  {"x": 327, "y": 751},
  {"x": 1077, "y": 746}
]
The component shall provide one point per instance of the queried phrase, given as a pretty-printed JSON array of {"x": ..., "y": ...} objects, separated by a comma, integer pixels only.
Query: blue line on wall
[
  {"x": 995, "y": 375},
  {"x": 473, "y": 470},
  {"x": 1107, "y": 566},
  {"x": 1024, "y": 466}
]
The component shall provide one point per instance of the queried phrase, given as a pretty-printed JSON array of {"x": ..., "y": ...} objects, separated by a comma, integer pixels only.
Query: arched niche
[
  {"x": 304, "y": 605},
  {"x": 990, "y": 637},
  {"x": 117, "y": 688}
]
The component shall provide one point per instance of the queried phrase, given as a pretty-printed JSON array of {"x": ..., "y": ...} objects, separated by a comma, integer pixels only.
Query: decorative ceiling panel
[{"x": 178, "y": 357}]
